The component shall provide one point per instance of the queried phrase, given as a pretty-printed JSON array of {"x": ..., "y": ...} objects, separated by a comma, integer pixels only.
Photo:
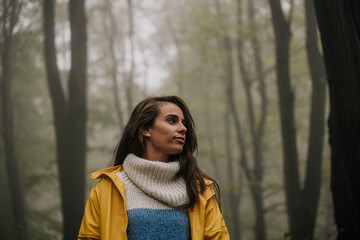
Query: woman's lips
[{"x": 180, "y": 140}]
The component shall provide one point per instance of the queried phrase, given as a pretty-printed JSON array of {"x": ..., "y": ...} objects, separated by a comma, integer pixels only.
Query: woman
[{"x": 156, "y": 189}]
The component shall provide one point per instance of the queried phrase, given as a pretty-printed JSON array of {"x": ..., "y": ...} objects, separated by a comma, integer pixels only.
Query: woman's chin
[{"x": 177, "y": 151}]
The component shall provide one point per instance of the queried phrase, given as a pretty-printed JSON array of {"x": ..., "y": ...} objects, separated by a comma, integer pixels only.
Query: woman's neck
[{"x": 156, "y": 156}]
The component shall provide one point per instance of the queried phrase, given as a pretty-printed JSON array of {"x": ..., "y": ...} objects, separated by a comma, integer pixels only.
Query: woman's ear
[{"x": 146, "y": 132}]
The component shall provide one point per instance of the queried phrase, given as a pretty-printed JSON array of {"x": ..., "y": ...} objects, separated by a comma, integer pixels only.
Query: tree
[
  {"x": 311, "y": 191},
  {"x": 179, "y": 68},
  {"x": 10, "y": 16},
  {"x": 130, "y": 76},
  {"x": 112, "y": 34},
  {"x": 339, "y": 29},
  {"x": 301, "y": 202},
  {"x": 70, "y": 113},
  {"x": 256, "y": 175},
  {"x": 228, "y": 66}
]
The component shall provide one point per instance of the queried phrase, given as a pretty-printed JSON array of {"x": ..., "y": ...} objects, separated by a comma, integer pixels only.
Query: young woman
[{"x": 156, "y": 189}]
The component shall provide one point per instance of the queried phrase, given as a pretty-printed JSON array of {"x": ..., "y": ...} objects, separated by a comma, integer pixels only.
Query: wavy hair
[{"x": 132, "y": 141}]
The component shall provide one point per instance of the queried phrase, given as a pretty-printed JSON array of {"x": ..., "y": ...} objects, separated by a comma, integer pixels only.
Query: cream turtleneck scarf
[{"x": 160, "y": 180}]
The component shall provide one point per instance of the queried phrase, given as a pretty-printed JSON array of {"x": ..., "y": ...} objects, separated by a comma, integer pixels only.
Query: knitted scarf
[{"x": 161, "y": 180}]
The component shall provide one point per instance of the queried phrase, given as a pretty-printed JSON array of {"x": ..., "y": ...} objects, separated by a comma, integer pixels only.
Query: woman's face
[{"x": 167, "y": 136}]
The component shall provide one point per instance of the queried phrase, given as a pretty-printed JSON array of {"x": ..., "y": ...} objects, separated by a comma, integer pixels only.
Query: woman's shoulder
[
  {"x": 209, "y": 190},
  {"x": 107, "y": 178},
  {"x": 105, "y": 172}
]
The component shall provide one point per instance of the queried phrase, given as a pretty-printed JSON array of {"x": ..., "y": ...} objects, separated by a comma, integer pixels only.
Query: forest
[{"x": 273, "y": 87}]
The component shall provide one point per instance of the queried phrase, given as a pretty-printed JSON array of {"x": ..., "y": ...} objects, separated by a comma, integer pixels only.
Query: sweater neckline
[{"x": 160, "y": 180}]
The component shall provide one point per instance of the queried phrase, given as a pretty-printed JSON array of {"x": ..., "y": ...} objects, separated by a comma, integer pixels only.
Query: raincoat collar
[{"x": 110, "y": 173}]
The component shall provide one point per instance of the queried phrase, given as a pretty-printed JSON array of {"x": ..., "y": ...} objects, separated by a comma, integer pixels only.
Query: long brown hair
[{"x": 132, "y": 141}]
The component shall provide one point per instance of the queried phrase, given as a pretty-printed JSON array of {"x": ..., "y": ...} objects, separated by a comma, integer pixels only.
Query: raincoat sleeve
[
  {"x": 90, "y": 225},
  {"x": 215, "y": 227}
]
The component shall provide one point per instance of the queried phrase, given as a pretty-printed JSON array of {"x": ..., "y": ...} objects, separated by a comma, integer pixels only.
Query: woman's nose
[{"x": 182, "y": 128}]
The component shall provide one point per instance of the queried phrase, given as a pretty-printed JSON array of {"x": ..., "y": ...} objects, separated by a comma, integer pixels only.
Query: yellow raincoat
[{"x": 105, "y": 215}]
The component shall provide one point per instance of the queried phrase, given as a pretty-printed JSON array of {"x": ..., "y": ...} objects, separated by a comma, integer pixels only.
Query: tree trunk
[
  {"x": 146, "y": 68},
  {"x": 225, "y": 45},
  {"x": 286, "y": 103},
  {"x": 311, "y": 191},
  {"x": 257, "y": 173},
  {"x": 69, "y": 115},
  {"x": 9, "y": 20},
  {"x": 179, "y": 69},
  {"x": 339, "y": 28},
  {"x": 130, "y": 75},
  {"x": 234, "y": 193},
  {"x": 301, "y": 203},
  {"x": 112, "y": 34}
]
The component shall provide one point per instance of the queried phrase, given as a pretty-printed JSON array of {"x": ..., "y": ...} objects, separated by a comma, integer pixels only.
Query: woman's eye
[{"x": 171, "y": 120}]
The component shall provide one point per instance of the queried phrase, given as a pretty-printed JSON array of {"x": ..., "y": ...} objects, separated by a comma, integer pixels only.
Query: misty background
[{"x": 263, "y": 139}]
